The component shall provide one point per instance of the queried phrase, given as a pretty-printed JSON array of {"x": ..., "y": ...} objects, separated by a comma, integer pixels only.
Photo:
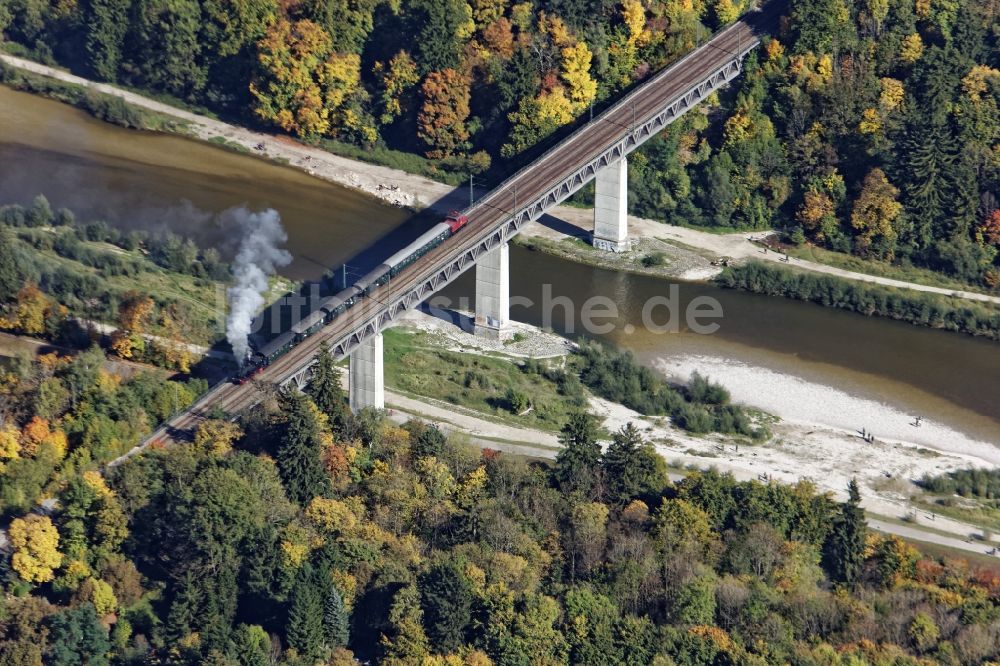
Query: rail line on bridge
[{"x": 502, "y": 213}]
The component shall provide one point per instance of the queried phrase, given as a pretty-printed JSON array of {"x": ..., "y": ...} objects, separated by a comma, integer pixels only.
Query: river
[{"x": 135, "y": 179}]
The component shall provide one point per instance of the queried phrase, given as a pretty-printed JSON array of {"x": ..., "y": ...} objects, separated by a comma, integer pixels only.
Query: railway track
[{"x": 496, "y": 208}]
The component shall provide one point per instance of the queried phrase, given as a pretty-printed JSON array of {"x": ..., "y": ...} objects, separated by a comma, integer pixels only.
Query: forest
[
  {"x": 302, "y": 534},
  {"x": 867, "y": 127}
]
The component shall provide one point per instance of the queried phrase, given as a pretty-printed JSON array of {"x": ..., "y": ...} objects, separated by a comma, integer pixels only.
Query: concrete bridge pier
[
  {"x": 367, "y": 385},
  {"x": 493, "y": 294},
  {"x": 611, "y": 208}
]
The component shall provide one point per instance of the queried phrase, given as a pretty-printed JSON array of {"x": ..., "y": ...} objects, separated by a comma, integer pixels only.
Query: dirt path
[{"x": 403, "y": 189}]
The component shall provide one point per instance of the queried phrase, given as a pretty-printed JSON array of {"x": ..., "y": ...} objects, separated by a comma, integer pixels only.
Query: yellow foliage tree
[
  {"x": 133, "y": 314},
  {"x": 576, "y": 75},
  {"x": 815, "y": 212},
  {"x": 330, "y": 515},
  {"x": 396, "y": 79},
  {"x": 305, "y": 86},
  {"x": 555, "y": 28},
  {"x": 726, "y": 11},
  {"x": 824, "y": 68},
  {"x": 737, "y": 128},
  {"x": 442, "y": 116},
  {"x": 216, "y": 436},
  {"x": 892, "y": 94},
  {"x": 36, "y": 548},
  {"x": 175, "y": 352},
  {"x": 10, "y": 444},
  {"x": 774, "y": 50},
  {"x": 99, "y": 593},
  {"x": 871, "y": 122},
  {"x": 485, "y": 12},
  {"x": 32, "y": 308},
  {"x": 634, "y": 15},
  {"x": 978, "y": 80},
  {"x": 97, "y": 483},
  {"x": 911, "y": 49},
  {"x": 875, "y": 213},
  {"x": 57, "y": 443}
]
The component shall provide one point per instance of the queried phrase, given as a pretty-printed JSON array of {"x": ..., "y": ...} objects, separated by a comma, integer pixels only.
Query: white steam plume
[{"x": 259, "y": 255}]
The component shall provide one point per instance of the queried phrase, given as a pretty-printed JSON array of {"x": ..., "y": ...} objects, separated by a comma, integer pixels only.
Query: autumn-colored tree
[
  {"x": 133, "y": 315},
  {"x": 585, "y": 537},
  {"x": 36, "y": 548},
  {"x": 396, "y": 80},
  {"x": 726, "y": 11},
  {"x": 498, "y": 39},
  {"x": 99, "y": 593},
  {"x": 33, "y": 433},
  {"x": 304, "y": 86},
  {"x": 580, "y": 86},
  {"x": 485, "y": 12},
  {"x": 912, "y": 48},
  {"x": 989, "y": 230},
  {"x": 216, "y": 436},
  {"x": 892, "y": 94},
  {"x": 175, "y": 352},
  {"x": 816, "y": 213},
  {"x": 32, "y": 307},
  {"x": 10, "y": 444},
  {"x": 978, "y": 81},
  {"x": 875, "y": 215},
  {"x": 443, "y": 112}
]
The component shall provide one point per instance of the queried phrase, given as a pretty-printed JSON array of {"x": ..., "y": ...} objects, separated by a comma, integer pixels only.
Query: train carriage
[
  {"x": 309, "y": 324},
  {"x": 278, "y": 346},
  {"x": 336, "y": 304}
]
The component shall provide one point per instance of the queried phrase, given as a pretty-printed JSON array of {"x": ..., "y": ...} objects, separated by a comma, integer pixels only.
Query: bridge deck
[{"x": 523, "y": 197}]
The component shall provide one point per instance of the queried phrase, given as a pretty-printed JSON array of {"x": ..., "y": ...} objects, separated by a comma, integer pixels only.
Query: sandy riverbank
[{"x": 813, "y": 438}]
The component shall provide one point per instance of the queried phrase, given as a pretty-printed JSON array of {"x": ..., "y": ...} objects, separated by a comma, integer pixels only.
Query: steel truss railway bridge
[{"x": 597, "y": 150}]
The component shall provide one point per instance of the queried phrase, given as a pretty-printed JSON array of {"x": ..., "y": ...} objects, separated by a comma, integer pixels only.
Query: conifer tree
[
  {"x": 845, "y": 547},
  {"x": 325, "y": 388},
  {"x": 304, "y": 629},
  {"x": 299, "y": 454},
  {"x": 446, "y": 599},
  {"x": 631, "y": 466},
  {"x": 335, "y": 620},
  {"x": 578, "y": 462}
]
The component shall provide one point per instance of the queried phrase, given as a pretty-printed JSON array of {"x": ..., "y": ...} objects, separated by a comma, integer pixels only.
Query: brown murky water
[
  {"x": 160, "y": 182},
  {"x": 135, "y": 179}
]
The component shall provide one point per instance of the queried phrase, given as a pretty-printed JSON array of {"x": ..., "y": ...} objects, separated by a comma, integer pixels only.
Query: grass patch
[
  {"x": 453, "y": 172},
  {"x": 849, "y": 262},
  {"x": 201, "y": 296},
  {"x": 497, "y": 387},
  {"x": 234, "y": 146}
]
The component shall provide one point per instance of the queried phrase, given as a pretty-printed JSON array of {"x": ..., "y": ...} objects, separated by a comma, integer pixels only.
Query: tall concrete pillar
[
  {"x": 366, "y": 387},
  {"x": 493, "y": 293},
  {"x": 611, "y": 208}
]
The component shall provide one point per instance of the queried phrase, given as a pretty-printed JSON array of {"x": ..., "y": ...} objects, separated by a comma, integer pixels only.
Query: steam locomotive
[{"x": 262, "y": 355}]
